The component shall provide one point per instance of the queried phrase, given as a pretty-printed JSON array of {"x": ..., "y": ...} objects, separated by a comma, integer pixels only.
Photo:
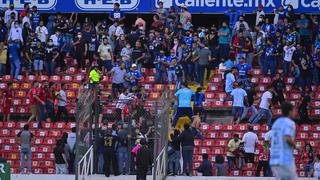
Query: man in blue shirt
[
  {"x": 243, "y": 69},
  {"x": 270, "y": 60},
  {"x": 133, "y": 76},
  {"x": 116, "y": 14},
  {"x": 171, "y": 65},
  {"x": 160, "y": 66},
  {"x": 184, "y": 96},
  {"x": 283, "y": 134}
]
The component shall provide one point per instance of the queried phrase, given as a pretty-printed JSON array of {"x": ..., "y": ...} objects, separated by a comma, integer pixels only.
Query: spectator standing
[
  {"x": 7, "y": 102},
  {"x": 41, "y": 104},
  {"x": 14, "y": 51},
  {"x": 233, "y": 146},
  {"x": 118, "y": 73},
  {"x": 38, "y": 57},
  {"x": 170, "y": 62},
  {"x": 174, "y": 155},
  {"x": 133, "y": 77},
  {"x": 116, "y": 14},
  {"x": 239, "y": 98},
  {"x": 184, "y": 103},
  {"x": 138, "y": 54},
  {"x": 263, "y": 160},
  {"x": 230, "y": 79},
  {"x": 306, "y": 66},
  {"x": 122, "y": 150},
  {"x": 35, "y": 17},
  {"x": 270, "y": 61},
  {"x": 25, "y": 148},
  {"x": 62, "y": 97},
  {"x": 316, "y": 167},
  {"x": 220, "y": 165},
  {"x": 122, "y": 103},
  {"x": 307, "y": 158},
  {"x": 279, "y": 87},
  {"x": 162, "y": 12},
  {"x": 250, "y": 140},
  {"x": 265, "y": 104},
  {"x": 204, "y": 59},
  {"x": 125, "y": 54},
  {"x": 251, "y": 91},
  {"x": 106, "y": 55},
  {"x": 179, "y": 72},
  {"x": 144, "y": 160},
  {"x": 243, "y": 69},
  {"x": 303, "y": 108},
  {"x": 288, "y": 53},
  {"x": 224, "y": 34},
  {"x": 260, "y": 13},
  {"x": 80, "y": 46},
  {"x": 60, "y": 158},
  {"x": 304, "y": 31},
  {"x": 110, "y": 142},
  {"x": 71, "y": 141},
  {"x": 316, "y": 62},
  {"x": 42, "y": 32},
  {"x": 34, "y": 98},
  {"x": 282, "y": 144},
  {"x": 159, "y": 62},
  {"x": 51, "y": 57},
  {"x": 94, "y": 76},
  {"x": 184, "y": 15},
  {"x": 198, "y": 99},
  {"x": 8, "y": 12},
  {"x": 206, "y": 166}
]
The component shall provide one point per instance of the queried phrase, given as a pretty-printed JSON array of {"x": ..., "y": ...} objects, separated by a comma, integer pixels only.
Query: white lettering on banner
[
  {"x": 106, "y": 4},
  {"x": 41, "y": 4},
  {"x": 221, "y": 3},
  {"x": 2, "y": 168},
  {"x": 313, "y": 4}
]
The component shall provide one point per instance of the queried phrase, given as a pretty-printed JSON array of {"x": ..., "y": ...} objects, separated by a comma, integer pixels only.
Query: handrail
[{"x": 87, "y": 165}]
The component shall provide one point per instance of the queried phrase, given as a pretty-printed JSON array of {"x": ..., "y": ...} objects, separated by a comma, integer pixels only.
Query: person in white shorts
[{"x": 282, "y": 144}]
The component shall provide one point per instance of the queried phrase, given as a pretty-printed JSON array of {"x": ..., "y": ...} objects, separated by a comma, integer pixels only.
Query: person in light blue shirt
[
  {"x": 184, "y": 96},
  {"x": 230, "y": 79},
  {"x": 224, "y": 34},
  {"x": 239, "y": 97},
  {"x": 283, "y": 134},
  {"x": 229, "y": 64}
]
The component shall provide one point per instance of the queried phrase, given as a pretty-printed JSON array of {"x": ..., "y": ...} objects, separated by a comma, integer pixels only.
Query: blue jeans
[
  {"x": 261, "y": 61},
  {"x": 286, "y": 67},
  {"x": 123, "y": 159},
  {"x": 182, "y": 111},
  {"x": 108, "y": 65},
  {"x": 231, "y": 162},
  {"x": 61, "y": 169},
  {"x": 201, "y": 70},
  {"x": 50, "y": 68},
  {"x": 100, "y": 163},
  {"x": 237, "y": 112},
  {"x": 25, "y": 152},
  {"x": 260, "y": 115},
  {"x": 187, "y": 155},
  {"x": 15, "y": 67},
  {"x": 270, "y": 63},
  {"x": 178, "y": 83},
  {"x": 189, "y": 69},
  {"x": 308, "y": 169},
  {"x": 196, "y": 71},
  {"x": 174, "y": 160},
  {"x": 160, "y": 76},
  {"x": 42, "y": 113},
  {"x": 246, "y": 109},
  {"x": 171, "y": 73},
  {"x": 224, "y": 50},
  {"x": 315, "y": 75},
  {"x": 38, "y": 64}
]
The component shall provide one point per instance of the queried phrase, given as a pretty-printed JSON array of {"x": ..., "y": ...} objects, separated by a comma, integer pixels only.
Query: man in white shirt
[
  {"x": 8, "y": 12},
  {"x": 265, "y": 104},
  {"x": 239, "y": 97},
  {"x": 106, "y": 55},
  {"x": 55, "y": 37},
  {"x": 15, "y": 33},
  {"x": 42, "y": 32},
  {"x": 62, "y": 103},
  {"x": 250, "y": 140},
  {"x": 259, "y": 14},
  {"x": 124, "y": 98},
  {"x": 288, "y": 53}
]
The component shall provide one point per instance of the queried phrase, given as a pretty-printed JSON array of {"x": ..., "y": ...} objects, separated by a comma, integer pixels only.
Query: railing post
[{"x": 91, "y": 161}]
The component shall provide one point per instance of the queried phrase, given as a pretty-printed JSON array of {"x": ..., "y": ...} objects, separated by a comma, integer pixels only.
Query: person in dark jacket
[
  {"x": 143, "y": 160},
  {"x": 110, "y": 142},
  {"x": 174, "y": 153},
  {"x": 186, "y": 139},
  {"x": 206, "y": 166}
]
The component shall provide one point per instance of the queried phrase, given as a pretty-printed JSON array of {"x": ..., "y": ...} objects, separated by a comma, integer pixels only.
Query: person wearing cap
[
  {"x": 184, "y": 15},
  {"x": 243, "y": 69},
  {"x": 184, "y": 96},
  {"x": 239, "y": 98},
  {"x": 133, "y": 76},
  {"x": 116, "y": 14}
]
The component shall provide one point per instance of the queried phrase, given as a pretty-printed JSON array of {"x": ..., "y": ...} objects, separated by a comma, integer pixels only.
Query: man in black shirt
[
  {"x": 174, "y": 153},
  {"x": 60, "y": 158},
  {"x": 303, "y": 108},
  {"x": 138, "y": 54},
  {"x": 110, "y": 141},
  {"x": 279, "y": 86},
  {"x": 80, "y": 46},
  {"x": 144, "y": 160},
  {"x": 38, "y": 56},
  {"x": 51, "y": 57}
]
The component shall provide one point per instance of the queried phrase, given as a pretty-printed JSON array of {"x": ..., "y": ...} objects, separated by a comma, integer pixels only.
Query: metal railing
[
  {"x": 161, "y": 165},
  {"x": 85, "y": 165}
]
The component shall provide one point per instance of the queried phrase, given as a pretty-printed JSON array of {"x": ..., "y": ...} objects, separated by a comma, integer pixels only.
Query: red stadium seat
[
  {"x": 209, "y": 95},
  {"x": 217, "y": 150},
  {"x": 15, "y": 86},
  {"x": 49, "y": 141},
  {"x": 255, "y": 80},
  {"x": 197, "y": 158},
  {"x": 154, "y": 95},
  {"x": 216, "y": 80},
  {"x": 148, "y": 87},
  {"x": 22, "y": 110},
  {"x": 265, "y": 80},
  {"x": 315, "y": 112},
  {"x": 256, "y": 72},
  {"x": 305, "y": 127},
  {"x": 315, "y": 135},
  {"x": 25, "y": 86},
  {"x": 225, "y": 135},
  {"x": 211, "y": 135},
  {"x": 38, "y": 141},
  {"x": 172, "y": 87},
  {"x": 204, "y": 150},
  {"x": 9, "y": 125},
  {"x": 288, "y": 88},
  {"x": 60, "y": 125},
  {"x": 7, "y": 78},
  {"x": 78, "y": 78},
  {"x": 45, "y": 149},
  {"x": 43, "y": 78},
  {"x": 208, "y": 143},
  {"x": 205, "y": 126},
  {"x": 42, "y": 133},
  {"x": 55, "y": 79},
  {"x": 197, "y": 142},
  {"x": 16, "y": 102},
  {"x": 235, "y": 173},
  {"x": 289, "y": 80},
  {"x": 54, "y": 133},
  {"x": 159, "y": 87},
  {"x": 3, "y": 86},
  {"x": 71, "y": 125},
  {"x": 241, "y": 127},
  {"x": 316, "y": 128},
  {"x": 71, "y": 70},
  {"x": 228, "y": 127},
  {"x": 150, "y": 79},
  {"x": 251, "y": 173},
  {"x": 302, "y": 135},
  {"x": 20, "y": 94},
  {"x": 73, "y": 86},
  {"x": 213, "y": 88},
  {"x": 216, "y": 127},
  {"x": 295, "y": 96},
  {"x": 11, "y": 140},
  {"x": 216, "y": 104},
  {"x": 66, "y": 79}
]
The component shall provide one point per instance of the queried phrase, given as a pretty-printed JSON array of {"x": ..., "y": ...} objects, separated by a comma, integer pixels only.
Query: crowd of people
[{"x": 181, "y": 54}]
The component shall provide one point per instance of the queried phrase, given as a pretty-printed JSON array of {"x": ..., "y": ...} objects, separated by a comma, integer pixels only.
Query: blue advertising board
[{"x": 147, "y": 6}]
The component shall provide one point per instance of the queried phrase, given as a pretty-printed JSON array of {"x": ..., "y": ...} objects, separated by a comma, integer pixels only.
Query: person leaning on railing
[{"x": 94, "y": 76}]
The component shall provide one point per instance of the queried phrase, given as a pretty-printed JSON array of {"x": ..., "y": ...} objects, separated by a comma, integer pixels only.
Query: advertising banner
[{"x": 147, "y": 6}]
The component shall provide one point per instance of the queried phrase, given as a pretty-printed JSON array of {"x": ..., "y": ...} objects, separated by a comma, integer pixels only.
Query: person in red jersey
[
  {"x": 7, "y": 101},
  {"x": 41, "y": 102},
  {"x": 50, "y": 90},
  {"x": 263, "y": 160},
  {"x": 34, "y": 99}
]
